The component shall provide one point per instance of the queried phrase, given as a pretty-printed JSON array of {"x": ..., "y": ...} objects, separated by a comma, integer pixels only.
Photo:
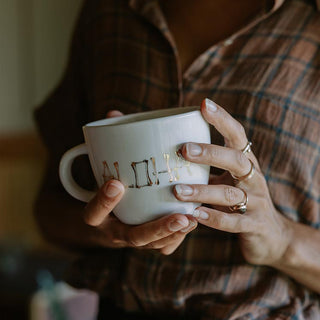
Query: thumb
[
  {"x": 103, "y": 203},
  {"x": 114, "y": 114}
]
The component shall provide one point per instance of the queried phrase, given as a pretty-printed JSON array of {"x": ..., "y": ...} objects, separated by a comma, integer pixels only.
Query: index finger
[{"x": 227, "y": 126}]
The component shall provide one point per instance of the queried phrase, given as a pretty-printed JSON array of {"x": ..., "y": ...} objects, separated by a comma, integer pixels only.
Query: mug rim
[{"x": 123, "y": 120}]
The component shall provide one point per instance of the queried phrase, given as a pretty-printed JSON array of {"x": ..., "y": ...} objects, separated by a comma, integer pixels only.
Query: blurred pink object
[{"x": 68, "y": 304}]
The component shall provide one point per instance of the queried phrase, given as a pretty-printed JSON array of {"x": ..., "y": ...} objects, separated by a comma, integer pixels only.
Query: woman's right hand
[{"x": 164, "y": 234}]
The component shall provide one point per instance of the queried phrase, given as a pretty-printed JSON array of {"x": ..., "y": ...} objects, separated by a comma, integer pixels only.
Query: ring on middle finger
[{"x": 247, "y": 176}]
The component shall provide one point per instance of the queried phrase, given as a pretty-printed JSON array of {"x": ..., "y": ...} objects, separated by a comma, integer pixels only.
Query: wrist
[
  {"x": 301, "y": 259},
  {"x": 295, "y": 256},
  {"x": 288, "y": 257}
]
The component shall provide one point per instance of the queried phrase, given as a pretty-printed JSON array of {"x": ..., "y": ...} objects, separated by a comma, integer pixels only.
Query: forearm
[
  {"x": 61, "y": 222},
  {"x": 301, "y": 260}
]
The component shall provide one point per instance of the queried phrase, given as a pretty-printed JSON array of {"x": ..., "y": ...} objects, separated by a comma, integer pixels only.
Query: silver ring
[
  {"x": 247, "y": 176},
  {"x": 240, "y": 207},
  {"x": 247, "y": 148}
]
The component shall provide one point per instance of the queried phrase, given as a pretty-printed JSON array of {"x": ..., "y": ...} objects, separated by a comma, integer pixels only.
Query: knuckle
[
  {"x": 174, "y": 238},
  {"x": 132, "y": 240},
  {"x": 116, "y": 242},
  {"x": 221, "y": 223},
  {"x": 241, "y": 159},
  {"x": 115, "y": 236},
  {"x": 153, "y": 246},
  {"x": 240, "y": 129},
  {"x": 217, "y": 222},
  {"x": 104, "y": 203},
  {"x": 224, "y": 117},
  {"x": 213, "y": 153},
  {"x": 264, "y": 204},
  {"x": 241, "y": 225},
  {"x": 162, "y": 232},
  {"x": 260, "y": 224},
  {"x": 230, "y": 194},
  {"x": 262, "y": 182}
]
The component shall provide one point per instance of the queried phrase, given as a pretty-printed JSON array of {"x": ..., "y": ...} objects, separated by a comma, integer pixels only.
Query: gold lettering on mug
[
  {"x": 176, "y": 168},
  {"x": 145, "y": 164},
  {"x": 116, "y": 166},
  {"x": 106, "y": 167},
  {"x": 155, "y": 173},
  {"x": 171, "y": 176},
  {"x": 141, "y": 171},
  {"x": 183, "y": 163},
  {"x": 107, "y": 174}
]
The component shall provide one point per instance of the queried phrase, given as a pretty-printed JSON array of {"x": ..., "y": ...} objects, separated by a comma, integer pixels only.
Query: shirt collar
[
  {"x": 151, "y": 11},
  {"x": 147, "y": 8}
]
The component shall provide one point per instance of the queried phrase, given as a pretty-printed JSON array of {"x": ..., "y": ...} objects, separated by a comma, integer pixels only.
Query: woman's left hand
[{"x": 264, "y": 234}]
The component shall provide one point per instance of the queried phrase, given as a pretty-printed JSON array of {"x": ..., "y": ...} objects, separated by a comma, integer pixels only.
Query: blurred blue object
[{"x": 19, "y": 268}]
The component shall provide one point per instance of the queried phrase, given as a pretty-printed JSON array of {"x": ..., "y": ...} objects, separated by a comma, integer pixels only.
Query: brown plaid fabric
[{"x": 268, "y": 77}]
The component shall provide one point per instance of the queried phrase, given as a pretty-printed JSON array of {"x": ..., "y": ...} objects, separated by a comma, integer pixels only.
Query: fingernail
[
  {"x": 184, "y": 190},
  {"x": 211, "y": 106},
  {"x": 190, "y": 226},
  {"x": 112, "y": 190},
  {"x": 200, "y": 214},
  {"x": 193, "y": 149},
  {"x": 178, "y": 225}
]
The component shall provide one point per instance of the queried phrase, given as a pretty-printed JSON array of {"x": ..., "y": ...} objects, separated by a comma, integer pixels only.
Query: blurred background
[{"x": 34, "y": 42}]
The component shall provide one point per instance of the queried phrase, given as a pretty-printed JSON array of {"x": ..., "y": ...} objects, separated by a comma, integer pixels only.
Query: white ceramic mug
[{"x": 140, "y": 150}]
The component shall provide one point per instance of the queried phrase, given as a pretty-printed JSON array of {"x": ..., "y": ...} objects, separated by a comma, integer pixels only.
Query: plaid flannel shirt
[{"x": 267, "y": 76}]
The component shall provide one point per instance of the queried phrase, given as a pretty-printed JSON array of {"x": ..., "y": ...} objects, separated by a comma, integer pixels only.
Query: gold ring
[
  {"x": 242, "y": 206},
  {"x": 247, "y": 176},
  {"x": 247, "y": 148}
]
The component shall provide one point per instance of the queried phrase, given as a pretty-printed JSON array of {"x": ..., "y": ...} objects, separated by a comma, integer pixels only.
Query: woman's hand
[
  {"x": 264, "y": 233},
  {"x": 164, "y": 234}
]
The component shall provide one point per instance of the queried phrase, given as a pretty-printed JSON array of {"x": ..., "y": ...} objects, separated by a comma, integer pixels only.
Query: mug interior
[{"x": 143, "y": 116}]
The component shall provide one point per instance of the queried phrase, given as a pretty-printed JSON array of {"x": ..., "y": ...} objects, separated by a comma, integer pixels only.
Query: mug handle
[{"x": 66, "y": 175}]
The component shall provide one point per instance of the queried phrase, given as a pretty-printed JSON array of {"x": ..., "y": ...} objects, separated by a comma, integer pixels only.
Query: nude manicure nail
[
  {"x": 200, "y": 214},
  {"x": 184, "y": 190},
  {"x": 193, "y": 149},
  {"x": 178, "y": 225},
  {"x": 190, "y": 226},
  {"x": 211, "y": 106},
  {"x": 113, "y": 190}
]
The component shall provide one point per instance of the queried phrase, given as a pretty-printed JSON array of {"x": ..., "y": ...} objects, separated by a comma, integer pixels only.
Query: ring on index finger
[
  {"x": 247, "y": 176},
  {"x": 247, "y": 148}
]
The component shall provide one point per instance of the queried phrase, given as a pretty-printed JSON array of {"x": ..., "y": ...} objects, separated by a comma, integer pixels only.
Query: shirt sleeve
[{"x": 60, "y": 118}]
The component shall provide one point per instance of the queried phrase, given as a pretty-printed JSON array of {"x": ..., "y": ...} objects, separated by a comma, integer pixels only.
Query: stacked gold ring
[
  {"x": 247, "y": 176},
  {"x": 242, "y": 206}
]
